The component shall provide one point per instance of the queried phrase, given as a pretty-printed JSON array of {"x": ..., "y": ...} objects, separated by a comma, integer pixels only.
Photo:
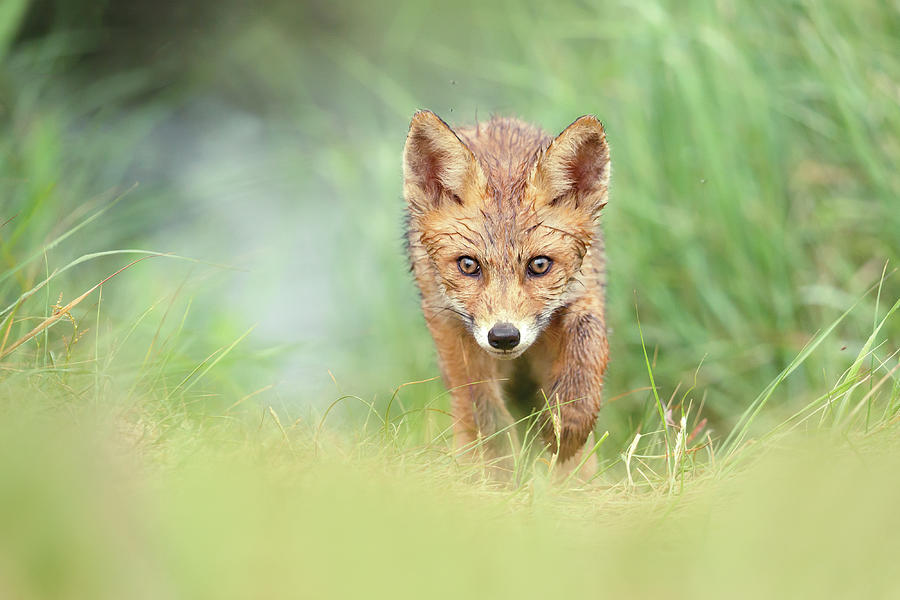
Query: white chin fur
[{"x": 527, "y": 335}]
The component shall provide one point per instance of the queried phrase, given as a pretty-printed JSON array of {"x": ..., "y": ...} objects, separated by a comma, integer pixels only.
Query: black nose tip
[{"x": 503, "y": 336}]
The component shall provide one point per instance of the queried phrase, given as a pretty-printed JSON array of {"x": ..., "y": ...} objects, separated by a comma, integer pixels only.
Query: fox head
[{"x": 505, "y": 216}]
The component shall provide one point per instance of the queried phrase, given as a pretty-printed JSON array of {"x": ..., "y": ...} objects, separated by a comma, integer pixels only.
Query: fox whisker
[{"x": 466, "y": 318}]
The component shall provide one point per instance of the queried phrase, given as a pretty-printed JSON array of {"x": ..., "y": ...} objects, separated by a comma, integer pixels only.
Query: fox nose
[{"x": 503, "y": 336}]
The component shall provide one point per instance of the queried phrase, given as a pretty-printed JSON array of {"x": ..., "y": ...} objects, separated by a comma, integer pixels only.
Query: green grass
[
  {"x": 161, "y": 495},
  {"x": 248, "y": 405}
]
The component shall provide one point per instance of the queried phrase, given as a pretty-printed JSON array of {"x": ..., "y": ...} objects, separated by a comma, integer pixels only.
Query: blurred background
[{"x": 754, "y": 200}]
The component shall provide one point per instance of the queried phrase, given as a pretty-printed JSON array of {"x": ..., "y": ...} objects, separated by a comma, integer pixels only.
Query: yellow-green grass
[{"x": 109, "y": 495}]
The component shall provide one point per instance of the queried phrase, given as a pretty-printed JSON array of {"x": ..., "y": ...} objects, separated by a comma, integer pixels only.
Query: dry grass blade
[
  {"x": 629, "y": 455},
  {"x": 94, "y": 255},
  {"x": 58, "y": 314},
  {"x": 7, "y": 222},
  {"x": 8, "y": 327}
]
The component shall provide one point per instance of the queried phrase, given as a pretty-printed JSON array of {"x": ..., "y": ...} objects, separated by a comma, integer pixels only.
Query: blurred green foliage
[{"x": 239, "y": 511}]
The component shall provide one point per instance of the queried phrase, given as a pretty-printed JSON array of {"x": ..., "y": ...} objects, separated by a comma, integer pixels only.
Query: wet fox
[{"x": 506, "y": 249}]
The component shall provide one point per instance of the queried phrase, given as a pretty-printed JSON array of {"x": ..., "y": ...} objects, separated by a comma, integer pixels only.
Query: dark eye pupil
[
  {"x": 468, "y": 265},
  {"x": 539, "y": 265}
]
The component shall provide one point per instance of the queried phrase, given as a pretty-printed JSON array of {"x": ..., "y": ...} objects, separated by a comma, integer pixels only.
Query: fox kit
[{"x": 507, "y": 252}]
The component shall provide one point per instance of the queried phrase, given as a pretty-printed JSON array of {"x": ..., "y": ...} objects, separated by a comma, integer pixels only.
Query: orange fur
[{"x": 503, "y": 193}]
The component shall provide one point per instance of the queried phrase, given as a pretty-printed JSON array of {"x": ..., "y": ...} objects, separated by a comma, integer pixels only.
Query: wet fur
[{"x": 505, "y": 192}]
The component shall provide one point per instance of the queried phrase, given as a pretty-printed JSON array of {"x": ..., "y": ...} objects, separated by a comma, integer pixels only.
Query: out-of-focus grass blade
[
  {"x": 853, "y": 371},
  {"x": 218, "y": 354},
  {"x": 11, "y": 14},
  {"x": 41, "y": 252},
  {"x": 738, "y": 434},
  {"x": 58, "y": 314},
  {"x": 92, "y": 256}
]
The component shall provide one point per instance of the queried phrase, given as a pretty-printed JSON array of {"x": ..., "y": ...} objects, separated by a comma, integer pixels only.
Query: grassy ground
[{"x": 235, "y": 415}]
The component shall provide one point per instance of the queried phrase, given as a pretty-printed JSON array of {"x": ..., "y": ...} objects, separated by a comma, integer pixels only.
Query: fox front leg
[
  {"x": 575, "y": 384},
  {"x": 482, "y": 425}
]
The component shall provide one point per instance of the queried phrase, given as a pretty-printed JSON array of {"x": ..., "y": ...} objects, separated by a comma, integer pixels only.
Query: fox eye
[
  {"x": 468, "y": 265},
  {"x": 539, "y": 265}
]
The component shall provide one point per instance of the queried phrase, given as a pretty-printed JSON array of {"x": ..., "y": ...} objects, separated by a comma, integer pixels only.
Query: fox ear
[
  {"x": 575, "y": 167},
  {"x": 436, "y": 164}
]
